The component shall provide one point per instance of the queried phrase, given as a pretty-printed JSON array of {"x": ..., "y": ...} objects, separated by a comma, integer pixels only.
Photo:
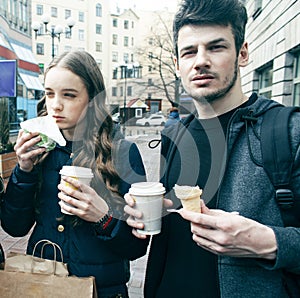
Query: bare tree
[{"x": 157, "y": 54}]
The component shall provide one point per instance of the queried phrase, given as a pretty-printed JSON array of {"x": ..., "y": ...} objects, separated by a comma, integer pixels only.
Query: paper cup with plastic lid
[
  {"x": 148, "y": 197},
  {"x": 84, "y": 175},
  {"x": 189, "y": 196}
]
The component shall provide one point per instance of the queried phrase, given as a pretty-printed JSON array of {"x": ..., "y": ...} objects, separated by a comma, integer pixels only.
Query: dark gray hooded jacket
[{"x": 246, "y": 188}]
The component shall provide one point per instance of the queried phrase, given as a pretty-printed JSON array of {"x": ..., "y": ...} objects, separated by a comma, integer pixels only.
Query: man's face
[{"x": 208, "y": 62}]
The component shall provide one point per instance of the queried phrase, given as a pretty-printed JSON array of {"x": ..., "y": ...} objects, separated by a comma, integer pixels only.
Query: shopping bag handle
[{"x": 54, "y": 245}]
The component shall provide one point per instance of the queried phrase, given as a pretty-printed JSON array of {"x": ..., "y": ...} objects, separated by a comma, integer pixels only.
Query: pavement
[{"x": 141, "y": 136}]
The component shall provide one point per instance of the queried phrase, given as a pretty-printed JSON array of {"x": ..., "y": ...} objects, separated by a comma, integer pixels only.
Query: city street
[{"x": 141, "y": 136}]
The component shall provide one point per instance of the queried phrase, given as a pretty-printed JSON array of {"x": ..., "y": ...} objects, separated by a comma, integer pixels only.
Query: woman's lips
[{"x": 58, "y": 118}]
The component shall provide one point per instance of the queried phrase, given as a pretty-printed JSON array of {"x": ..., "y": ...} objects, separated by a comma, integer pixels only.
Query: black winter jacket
[{"x": 86, "y": 253}]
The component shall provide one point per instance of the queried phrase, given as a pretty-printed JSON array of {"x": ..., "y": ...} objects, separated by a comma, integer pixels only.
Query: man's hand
[
  {"x": 227, "y": 233},
  {"x": 135, "y": 215}
]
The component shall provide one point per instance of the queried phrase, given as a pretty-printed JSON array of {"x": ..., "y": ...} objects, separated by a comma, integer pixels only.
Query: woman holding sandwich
[{"x": 94, "y": 239}]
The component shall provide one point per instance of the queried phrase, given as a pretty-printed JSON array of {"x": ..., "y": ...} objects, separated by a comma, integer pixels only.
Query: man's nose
[{"x": 202, "y": 59}]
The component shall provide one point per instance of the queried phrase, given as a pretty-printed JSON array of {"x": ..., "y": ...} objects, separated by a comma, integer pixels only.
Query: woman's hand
[
  {"x": 27, "y": 156},
  {"x": 84, "y": 201},
  {"x": 227, "y": 233}
]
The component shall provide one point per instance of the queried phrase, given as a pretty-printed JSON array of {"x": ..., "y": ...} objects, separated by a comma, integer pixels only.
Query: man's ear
[
  {"x": 177, "y": 71},
  {"x": 244, "y": 55}
]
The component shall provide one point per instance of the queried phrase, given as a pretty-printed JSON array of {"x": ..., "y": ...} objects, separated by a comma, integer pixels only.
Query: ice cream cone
[{"x": 189, "y": 197}]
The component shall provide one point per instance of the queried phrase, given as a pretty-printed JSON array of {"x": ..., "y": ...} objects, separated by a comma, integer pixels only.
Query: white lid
[
  {"x": 75, "y": 171},
  {"x": 147, "y": 188}
]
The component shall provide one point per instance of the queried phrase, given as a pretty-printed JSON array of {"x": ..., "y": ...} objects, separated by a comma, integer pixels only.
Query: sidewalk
[{"x": 141, "y": 136}]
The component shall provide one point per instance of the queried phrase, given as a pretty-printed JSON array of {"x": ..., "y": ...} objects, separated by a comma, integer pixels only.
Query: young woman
[{"x": 94, "y": 239}]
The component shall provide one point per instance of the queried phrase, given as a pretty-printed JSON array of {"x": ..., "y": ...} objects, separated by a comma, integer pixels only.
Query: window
[
  {"x": 81, "y": 16},
  {"x": 54, "y": 12},
  {"x": 126, "y": 24},
  {"x": 126, "y": 57},
  {"x": 121, "y": 91},
  {"x": 126, "y": 41},
  {"x": 68, "y": 48},
  {"x": 98, "y": 46},
  {"x": 296, "y": 81},
  {"x": 114, "y": 91},
  {"x": 115, "y": 39},
  {"x": 129, "y": 91},
  {"x": 115, "y": 22},
  {"x": 115, "y": 56},
  {"x": 39, "y": 9},
  {"x": 81, "y": 34},
  {"x": 138, "y": 113},
  {"x": 67, "y": 33},
  {"x": 40, "y": 49},
  {"x": 98, "y": 10},
  {"x": 150, "y": 83},
  {"x": 132, "y": 24},
  {"x": 98, "y": 29},
  {"x": 115, "y": 73},
  {"x": 132, "y": 41},
  {"x": 265, "y": 81},
  {"x": 67, "y": 13}
]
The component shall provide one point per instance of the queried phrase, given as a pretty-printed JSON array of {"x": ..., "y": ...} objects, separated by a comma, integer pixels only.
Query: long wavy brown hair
[{"x": 95, "y": 150}]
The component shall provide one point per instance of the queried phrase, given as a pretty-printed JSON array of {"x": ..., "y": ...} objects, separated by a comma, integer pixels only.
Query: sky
[{"x": 147, "y": 4}]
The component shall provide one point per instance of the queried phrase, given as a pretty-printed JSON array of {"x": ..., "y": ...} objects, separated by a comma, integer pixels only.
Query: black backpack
[{"x": 278, "y": 160}]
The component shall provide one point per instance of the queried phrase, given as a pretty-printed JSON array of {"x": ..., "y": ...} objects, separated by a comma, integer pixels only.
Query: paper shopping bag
[
  {"x": 28, "y": 276},
  {"x": 16, "y": 262},
  {"x": 33, "y": 285}
]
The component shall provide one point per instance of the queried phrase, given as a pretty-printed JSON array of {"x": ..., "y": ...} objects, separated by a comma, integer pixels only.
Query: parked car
[{"x": 154, "y": 119}]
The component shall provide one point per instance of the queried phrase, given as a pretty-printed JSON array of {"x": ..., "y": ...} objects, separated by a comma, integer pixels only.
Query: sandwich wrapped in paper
[{"x": 48, "y": 130}]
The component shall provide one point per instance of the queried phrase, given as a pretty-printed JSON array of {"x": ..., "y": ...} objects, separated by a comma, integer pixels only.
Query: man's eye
[
  {"x": 217, "y": 47},
  {"x": 187, "y": 53}
]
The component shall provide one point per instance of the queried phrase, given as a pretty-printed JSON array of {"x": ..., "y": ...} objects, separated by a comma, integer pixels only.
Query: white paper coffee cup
[
  {"x": 84, "y": 175},
  {"x": 148, "y": 198}
]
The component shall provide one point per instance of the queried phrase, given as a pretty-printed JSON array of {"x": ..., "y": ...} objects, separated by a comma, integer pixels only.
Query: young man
[{"x": 238, "y": 246}]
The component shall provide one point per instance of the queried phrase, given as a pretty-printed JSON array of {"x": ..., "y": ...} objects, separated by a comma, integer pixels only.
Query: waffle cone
[
  {"x": 189, "y": 197},
  {"x": 191, "y": 203}
]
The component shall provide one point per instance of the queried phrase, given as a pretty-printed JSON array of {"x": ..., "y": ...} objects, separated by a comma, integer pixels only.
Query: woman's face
[{"x": 66, "y": 100}]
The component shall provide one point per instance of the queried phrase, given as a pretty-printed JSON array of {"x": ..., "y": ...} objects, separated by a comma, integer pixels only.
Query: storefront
[{"x": 28, "y": 86}]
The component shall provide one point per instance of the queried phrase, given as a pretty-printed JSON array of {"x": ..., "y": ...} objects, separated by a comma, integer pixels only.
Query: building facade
[
  {"x": 114, "y": 38},
  {"x": 274, "y": 46},
  {"x": 15, "y": 45}
]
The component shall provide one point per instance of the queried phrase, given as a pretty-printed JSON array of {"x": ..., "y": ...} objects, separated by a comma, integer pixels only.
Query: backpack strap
[{"x": 277, "y": 153}]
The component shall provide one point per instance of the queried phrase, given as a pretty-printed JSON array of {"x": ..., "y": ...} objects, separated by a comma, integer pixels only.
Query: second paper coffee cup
[{"x": 148, "y": 198}]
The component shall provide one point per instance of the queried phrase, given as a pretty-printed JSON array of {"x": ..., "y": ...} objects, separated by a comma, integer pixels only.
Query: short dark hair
[{"x": 212, "y": 12}]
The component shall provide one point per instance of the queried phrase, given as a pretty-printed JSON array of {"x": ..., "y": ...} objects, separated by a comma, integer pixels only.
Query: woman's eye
[
  {"x": 49, "y": 94},
  {"x": 69, "y": 95}
]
